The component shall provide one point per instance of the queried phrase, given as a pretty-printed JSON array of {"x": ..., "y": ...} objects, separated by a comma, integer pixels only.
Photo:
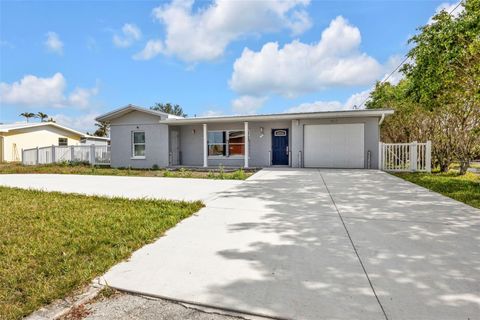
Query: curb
[{"x": 61, "y": 307}]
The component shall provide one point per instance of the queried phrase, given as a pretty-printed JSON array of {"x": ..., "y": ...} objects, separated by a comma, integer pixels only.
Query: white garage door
[{"x": 334, "y": 146}]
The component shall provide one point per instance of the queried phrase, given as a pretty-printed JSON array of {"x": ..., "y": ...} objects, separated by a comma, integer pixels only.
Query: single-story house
[
  {"x": 17, "y": 136},
  {"x": 143, "y": 138}
]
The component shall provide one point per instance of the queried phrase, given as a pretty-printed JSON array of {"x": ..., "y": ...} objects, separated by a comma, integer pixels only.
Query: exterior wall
[
  {"x": 156, "y": 140},
  {"x": 15, "y": 141},
  {"x": 371, "y": 136},
  {"x": 191, "y": 145},
  {"x": 191, "y": 141}
]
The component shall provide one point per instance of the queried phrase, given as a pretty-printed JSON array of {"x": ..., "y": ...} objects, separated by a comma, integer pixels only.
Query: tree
[
  {"x": 27, "y": 115},
  {"x": 42, "y": 116},
  {"x": 439, "y": 97},
  {"x": 103, "y": 128},
  {"x": 169, "y": 108}
]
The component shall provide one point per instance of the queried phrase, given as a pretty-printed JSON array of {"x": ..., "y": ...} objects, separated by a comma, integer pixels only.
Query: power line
[{"x": 403, "y": 61}]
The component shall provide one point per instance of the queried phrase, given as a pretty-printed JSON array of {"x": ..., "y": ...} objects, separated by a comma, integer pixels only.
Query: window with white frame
[
  {"x": 63, "y": 141},
  {"x": 138, "y": 144},
  {"x": 226, "y": 143}
]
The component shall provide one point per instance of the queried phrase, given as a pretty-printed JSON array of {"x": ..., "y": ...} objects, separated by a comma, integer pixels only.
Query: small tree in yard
[{"x": 169, "y": 108}]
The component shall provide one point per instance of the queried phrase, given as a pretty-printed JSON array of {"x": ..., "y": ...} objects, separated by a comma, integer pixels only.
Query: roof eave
[
  {"x": 40, "y": 124},
  {"x": 286, "y": 116},
  {"x": 124, "y": 110}
]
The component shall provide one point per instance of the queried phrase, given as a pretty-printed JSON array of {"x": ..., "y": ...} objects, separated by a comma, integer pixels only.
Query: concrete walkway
[
  {"x": 319, "y": 244},
  {"x": 303, "y": 244},
  {"x": 129, "y": 187}
]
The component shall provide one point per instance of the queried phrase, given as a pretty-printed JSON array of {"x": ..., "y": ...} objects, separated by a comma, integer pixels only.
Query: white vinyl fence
[
  {"x": 95, "y": 155},
  {"x": 409, "y": 157}
]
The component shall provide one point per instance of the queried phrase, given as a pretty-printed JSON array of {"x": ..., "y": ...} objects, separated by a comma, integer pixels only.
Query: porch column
[
  {"x": 246, "y": 145},
  {"x": 205, "y": 145}
]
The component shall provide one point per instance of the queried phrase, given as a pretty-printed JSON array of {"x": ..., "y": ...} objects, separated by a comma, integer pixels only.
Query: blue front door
[{"x": 279, "y": 147}]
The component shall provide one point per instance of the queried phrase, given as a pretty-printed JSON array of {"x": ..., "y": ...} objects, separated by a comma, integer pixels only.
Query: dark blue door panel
[{"x": 279, "y": 147}]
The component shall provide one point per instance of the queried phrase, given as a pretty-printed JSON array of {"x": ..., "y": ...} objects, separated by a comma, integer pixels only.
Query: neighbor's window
[
  {"x": 226, "y": 143},
  {"x": 62, "y": 141},
  {"x": 138, "y": 144}
]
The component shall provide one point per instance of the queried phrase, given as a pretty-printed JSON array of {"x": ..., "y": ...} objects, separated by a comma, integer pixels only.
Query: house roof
[
  {"x": 96, "y": 137},
  {"x": 284, "y": 116},
  {"x": 129, "y": 108},
  {"x": 19, "y": 126}
]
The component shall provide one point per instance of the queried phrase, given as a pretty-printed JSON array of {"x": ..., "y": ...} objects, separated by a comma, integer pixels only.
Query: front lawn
[
  {"x": 53, "y": 243},
  {"x": 465, "y": 188},
  {"x": 220, "y": 173}
]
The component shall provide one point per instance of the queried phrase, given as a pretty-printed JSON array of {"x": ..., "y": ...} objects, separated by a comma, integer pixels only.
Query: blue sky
[{"x": 76, "y": 60}]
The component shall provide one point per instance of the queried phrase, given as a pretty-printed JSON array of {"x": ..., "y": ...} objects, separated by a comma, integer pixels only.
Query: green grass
[
  {"x": 220, "y": 173},
  {"x": 52, "y": 243},
  {"x": 464, "y": 188}
]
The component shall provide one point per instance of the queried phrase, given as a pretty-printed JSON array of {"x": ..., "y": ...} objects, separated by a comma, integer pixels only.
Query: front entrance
[{"x": 280, "y": 149}]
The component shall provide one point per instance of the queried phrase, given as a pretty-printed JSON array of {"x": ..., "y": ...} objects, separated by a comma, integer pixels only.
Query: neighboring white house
[
  {"x": 142, "y": 138},
  {"x": 17, "y": 136}
]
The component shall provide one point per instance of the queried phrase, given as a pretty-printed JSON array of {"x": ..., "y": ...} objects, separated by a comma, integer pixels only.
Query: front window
[
  {"x": 138, "y": 144},
  {"x": 226, "y": 143},
  {"x": 62, "y": 141}
]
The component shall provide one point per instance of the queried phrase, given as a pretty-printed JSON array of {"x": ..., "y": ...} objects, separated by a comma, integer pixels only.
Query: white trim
[
  {"x": 133, "y": 144},
  {"x": 245, "y": 145},
  {"x": 283, "y": 116},
  {"x": 124, "y": 110},
  {"x": 38, "y": 124}
]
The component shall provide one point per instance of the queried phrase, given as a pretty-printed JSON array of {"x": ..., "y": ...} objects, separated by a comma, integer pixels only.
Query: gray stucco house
[{"x": 142, "y": 138}]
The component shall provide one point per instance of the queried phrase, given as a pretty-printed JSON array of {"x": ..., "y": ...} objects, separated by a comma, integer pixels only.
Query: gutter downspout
[{"x": 381, "y": 119}]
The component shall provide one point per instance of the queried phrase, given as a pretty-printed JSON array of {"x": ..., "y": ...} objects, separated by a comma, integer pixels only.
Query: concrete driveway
[
  {"x": 303, "y": 244},
  {"x": 319, "y": 244}
]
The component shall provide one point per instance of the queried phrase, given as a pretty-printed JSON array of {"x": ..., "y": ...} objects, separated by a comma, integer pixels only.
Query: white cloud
[
  {"x": 83, "y": 122},
  {"x": 212, "y": 113},
  {"x": 448, "y": 7},
  {"x": 6, "y": 44},
  {"x": 299, "y": 68},
  {"x": 47, "y": 92},
  {"x": 353, "y": 102},
  {"x": 130, "y": 34},
  {"x": 247, "y": 104},
  {"x": 53, "y": 43},
  {"x": 203, "y": 35},
  {"x": 152, "y": 48}
]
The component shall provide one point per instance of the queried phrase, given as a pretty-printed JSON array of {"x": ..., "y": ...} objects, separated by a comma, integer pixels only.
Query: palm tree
[
  {"x": 102, "y": 130},
  {"x": 42, "y": 116},
  {"x": 27, "y": 115}
]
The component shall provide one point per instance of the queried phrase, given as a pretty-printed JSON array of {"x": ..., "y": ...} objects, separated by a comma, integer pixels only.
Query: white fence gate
[
  {"x": 95, "y": 155},
  {"x": 409, "y": 157}
]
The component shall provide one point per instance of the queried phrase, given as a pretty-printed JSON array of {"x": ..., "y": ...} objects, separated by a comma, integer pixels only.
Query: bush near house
[{"x": 53, "y": 243}]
